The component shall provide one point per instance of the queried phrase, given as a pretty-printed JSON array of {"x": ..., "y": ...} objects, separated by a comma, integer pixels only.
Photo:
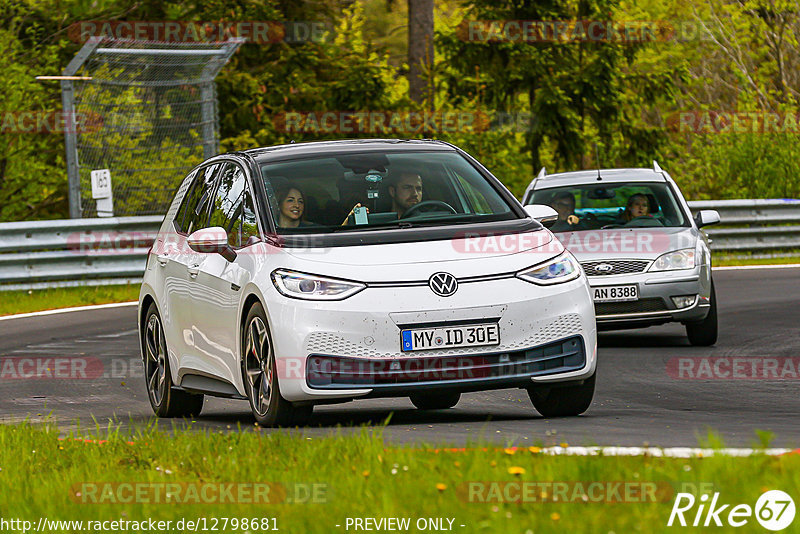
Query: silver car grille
[{"x": 609, "y": 267}]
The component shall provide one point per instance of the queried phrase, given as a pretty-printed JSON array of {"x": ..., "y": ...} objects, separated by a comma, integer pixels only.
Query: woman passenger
[{"x": 292, "y": 206}]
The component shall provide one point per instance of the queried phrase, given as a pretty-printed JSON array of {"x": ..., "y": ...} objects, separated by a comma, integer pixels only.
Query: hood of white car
[
  {"x": 472, "y": 256},
  {"x": 628, "y": 243},
  {"x": 447, "y": 250}
]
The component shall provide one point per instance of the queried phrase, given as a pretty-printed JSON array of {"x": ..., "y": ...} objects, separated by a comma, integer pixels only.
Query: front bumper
[
  {"x": 364, "y": 330},
  {"x": 461, "y": 373},
  {"x": 655, "y": 304}
]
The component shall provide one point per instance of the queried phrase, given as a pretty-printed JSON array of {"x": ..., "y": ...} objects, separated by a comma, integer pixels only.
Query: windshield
[
  {"x": 376, "y": 190},
  {"x": 618, "y": 205}
]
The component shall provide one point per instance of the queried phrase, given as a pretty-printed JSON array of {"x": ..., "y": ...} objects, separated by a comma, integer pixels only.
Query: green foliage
[
  {"x": 13, "y": 302},
  {"x": 578, "y": 93},
  {"x": 33, "y": 181},
  {"x": 740, "y": 166}
]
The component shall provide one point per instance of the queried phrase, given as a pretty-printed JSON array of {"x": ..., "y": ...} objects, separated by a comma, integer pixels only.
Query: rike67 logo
[{"x": 774, "y": 510}]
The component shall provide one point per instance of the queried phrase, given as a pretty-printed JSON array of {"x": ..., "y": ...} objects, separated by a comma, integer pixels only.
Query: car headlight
[
  {"x": 561, "y": 269},
  {"x": 672, "y": 261},
  {"x": 312, "y": 287}
]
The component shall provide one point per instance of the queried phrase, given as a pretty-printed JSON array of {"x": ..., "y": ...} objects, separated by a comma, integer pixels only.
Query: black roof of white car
[{"x": 294, "y": 150}]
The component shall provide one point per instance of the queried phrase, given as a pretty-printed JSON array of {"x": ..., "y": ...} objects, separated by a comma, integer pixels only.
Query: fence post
[
  {"x": 208, "y": 117},
  {"x": 71, "y": 148},
  {"x": 70, "y": 130}
]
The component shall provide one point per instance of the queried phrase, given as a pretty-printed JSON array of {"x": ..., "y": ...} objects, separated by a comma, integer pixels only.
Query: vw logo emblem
[
  {"x": 443, "y": 284},
  {"x": 603, "y": 268}
]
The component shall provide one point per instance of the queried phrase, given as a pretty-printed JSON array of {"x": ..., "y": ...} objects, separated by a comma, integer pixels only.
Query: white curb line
[{"x": 67, "y": 310}]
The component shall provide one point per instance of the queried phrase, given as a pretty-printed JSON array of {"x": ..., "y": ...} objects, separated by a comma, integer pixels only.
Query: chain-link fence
[{"x": 147, "y": 111}]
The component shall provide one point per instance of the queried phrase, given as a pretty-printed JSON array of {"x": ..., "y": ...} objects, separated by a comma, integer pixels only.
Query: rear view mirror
[
  {"x": 706, "y": 217},
  {"x": 212, "y": 240},
  {"x": 544, "y": 214},
  {"x": 601, "y": 193}
]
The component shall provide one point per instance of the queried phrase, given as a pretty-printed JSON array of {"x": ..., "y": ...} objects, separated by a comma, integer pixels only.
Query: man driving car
[
  {"x": 564, "y": 204},
  {"x": 406, "y": 191}
]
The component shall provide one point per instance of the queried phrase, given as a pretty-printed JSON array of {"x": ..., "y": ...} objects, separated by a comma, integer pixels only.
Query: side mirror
[
  {"x": 706, "y": 217},
  {"x": 544, "y": 214},
  {"x": 212, "y": 240}
]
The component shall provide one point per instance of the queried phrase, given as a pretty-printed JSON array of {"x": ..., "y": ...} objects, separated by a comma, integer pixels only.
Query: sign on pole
[{"x": 101, "y": 192}]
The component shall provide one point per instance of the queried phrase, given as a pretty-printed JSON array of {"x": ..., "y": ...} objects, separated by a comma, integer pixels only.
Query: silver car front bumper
[{"x": 655, "y": 304}]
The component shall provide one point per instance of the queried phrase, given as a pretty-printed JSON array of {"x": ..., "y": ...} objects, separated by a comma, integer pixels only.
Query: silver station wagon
[{"x": 646, "y": 259}]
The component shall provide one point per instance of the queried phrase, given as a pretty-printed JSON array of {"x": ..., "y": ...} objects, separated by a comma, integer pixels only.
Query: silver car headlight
[
  {"x": 672, "y": 261},
  {"x": 560, "y": 269},
  {"x": 312, "y": 287}
]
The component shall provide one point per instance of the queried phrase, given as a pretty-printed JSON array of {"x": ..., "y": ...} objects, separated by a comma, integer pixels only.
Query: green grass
[
  {"x": 720, "y": 262},
  {"x": 356, "y": 476},
  {"x": 12, "y": 302}
]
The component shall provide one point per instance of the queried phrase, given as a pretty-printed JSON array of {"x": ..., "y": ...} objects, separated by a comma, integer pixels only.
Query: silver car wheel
[
  {"x": 258, "y": 365},
  {"x": 155, "y": 360}
]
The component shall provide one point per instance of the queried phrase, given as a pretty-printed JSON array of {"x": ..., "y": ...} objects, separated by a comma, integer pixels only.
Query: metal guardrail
[
  {"x": 77, "y": 252},
  {"x": 753, "y": 225}
]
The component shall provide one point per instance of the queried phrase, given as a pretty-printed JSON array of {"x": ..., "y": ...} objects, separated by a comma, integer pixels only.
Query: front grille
[
  {"x": 637, "y": 306},
  {"x": 617, "y": 267},
  {"x": 337, "y": 372},
  {"x": 539, "y": 333}
]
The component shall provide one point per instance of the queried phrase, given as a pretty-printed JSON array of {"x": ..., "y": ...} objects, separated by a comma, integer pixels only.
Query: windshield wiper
[{"x": 357, "y": 227}]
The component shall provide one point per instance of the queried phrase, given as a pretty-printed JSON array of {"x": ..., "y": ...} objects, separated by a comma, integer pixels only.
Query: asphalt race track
[{"x": 652, "y": 387}]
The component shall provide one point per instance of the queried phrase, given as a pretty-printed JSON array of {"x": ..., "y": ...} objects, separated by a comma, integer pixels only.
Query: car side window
[
  {"x": 184, "y": 190},
  {"x": 192, "y": 214},
  {"x": 186, "y": 203},
  {"x": 233, "y": 206},
  {"x": 249, "y": 223},
  {"x": 476, "y": 199}
]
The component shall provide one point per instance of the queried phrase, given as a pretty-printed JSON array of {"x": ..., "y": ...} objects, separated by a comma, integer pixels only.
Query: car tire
[
  {"x": 563, "y": 401},
  {"x": 432, "y": 401},
  {"x": 704, "y": 333},
  {"x": 261, "y": 382},
  {"x": 165, "y": 399}
]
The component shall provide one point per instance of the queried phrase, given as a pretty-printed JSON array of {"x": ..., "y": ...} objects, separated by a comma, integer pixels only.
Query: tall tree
[
  {"x": 576, "y": 89},
  {"x": 420, "y": 49}
]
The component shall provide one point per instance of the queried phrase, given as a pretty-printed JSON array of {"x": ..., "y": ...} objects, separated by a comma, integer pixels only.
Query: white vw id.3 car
[{"x": 326, "y": 272}]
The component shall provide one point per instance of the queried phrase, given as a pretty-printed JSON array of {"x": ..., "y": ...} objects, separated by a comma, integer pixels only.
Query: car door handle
[
  {"x": 193, "y": 270},
  {"x": 162, "y": 259}
]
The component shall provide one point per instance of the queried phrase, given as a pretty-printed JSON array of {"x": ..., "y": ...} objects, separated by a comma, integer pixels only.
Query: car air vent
[{"x": 639, "y": 306}]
